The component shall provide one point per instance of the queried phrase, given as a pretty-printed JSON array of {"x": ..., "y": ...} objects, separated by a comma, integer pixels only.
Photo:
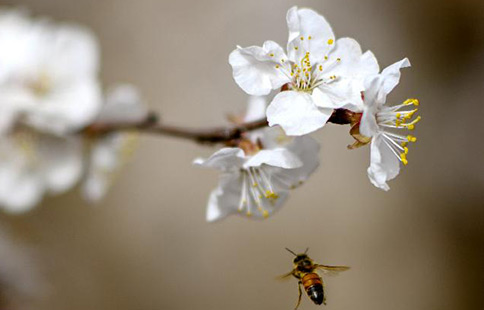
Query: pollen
[
  {"x": 403, "y": 157},
  {"x": 330, "y": 41},
  {"x": 411, "y": 101},
  {"x": 411, "y": 138},
  {"x": 265, "y": 214}
]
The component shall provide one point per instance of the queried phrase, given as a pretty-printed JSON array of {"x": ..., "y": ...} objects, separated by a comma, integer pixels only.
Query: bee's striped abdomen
[{"x": 314, "y": 287}]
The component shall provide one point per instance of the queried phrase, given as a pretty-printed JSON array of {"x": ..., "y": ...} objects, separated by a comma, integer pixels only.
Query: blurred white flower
[
  {"x": 22, "y": 284},
  {"x": 33, "y": 164},
  {"x": 379, "y": 121},
  {"x": 258, "y": 174},
  {"x": 48, "y": 76},
  {"x": 319, "y": 73},
  {"x": 109, "y": 152}
]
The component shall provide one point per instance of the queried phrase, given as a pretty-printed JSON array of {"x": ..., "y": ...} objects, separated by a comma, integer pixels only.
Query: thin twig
[{"x": 209, "y": 135}]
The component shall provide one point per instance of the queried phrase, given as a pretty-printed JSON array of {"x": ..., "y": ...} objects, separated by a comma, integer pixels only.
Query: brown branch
[{"x": 210, "y": 135}]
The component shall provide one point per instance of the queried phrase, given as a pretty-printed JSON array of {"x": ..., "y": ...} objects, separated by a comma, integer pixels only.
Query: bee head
[{"x": 300, "y": 257}]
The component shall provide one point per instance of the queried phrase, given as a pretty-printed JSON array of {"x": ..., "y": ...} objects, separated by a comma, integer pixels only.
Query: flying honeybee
[{"x": 305, "y": 270}]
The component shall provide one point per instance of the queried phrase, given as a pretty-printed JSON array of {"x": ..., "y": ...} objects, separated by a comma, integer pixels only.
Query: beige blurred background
[{"x": 419, "y": 246}]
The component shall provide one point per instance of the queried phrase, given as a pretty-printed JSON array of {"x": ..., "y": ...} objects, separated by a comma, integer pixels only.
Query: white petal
[
  {"x": 307, "y": 150},
  {"x": 122, "y": 104},
  {"x": 19, "y": 191},
  {"x": 279, "y": 157},
  {"x": 224, "y": 159},
  {"x": 384, "y": 165},
  {"x": 368, "y": 124},
  {"x": 68, "y": 108},
  {"x": 307, "y": 23},
  {"x": 296, "y": 113},
  {"x": 350, "y": 67},
  {"x": 254, "y": 69},
  {"x": 256, "y": 109},
  {"x": 70, "y": 51},
  {"x": 391, "y": 77},
  {"x": 344, "y": 93},
  {"x": 224, "y": 199},
  {"x": 62, "y": 162},
  {"x": 108, "y": 154}
]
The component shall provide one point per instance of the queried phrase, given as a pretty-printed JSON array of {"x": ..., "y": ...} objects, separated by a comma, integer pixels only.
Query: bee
[{"x": 305, "y": 270}]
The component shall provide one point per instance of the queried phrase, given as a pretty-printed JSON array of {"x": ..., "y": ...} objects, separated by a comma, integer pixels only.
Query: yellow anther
[
  {"x": 405, "y": 150},
  {"x": 255, "y": 184},
  {"x": 403, "y": 157},
  {"x": 411, "y": 138},
  {"x": 325, "y": 57},
  {"x": 330, "y": 41},
  {"x": 296, "y": 48},
  {"x": 404, "y": 144},
  {"x": 271, "y": 54},
  {"x": 249, "y": 214},
  {"x": 411, "y": 127},
  {"x": 398, "y": 115},
  {"x": 282, "y": 60},
  {"x": 413, "y": 101},
  {"x": 338, "y": 59},
  {"x": 277, "y": 66},
  {"x": 320, "y": 67},
  {"x": 239, "y": 210},
  {"x": 309, "y": 37},
  {"x": 265, "y": 214},
  {"x": 302, "y": 38}
]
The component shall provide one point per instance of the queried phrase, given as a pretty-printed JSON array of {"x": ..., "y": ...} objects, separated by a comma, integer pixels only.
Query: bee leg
[{"x": 300, "y": 295}]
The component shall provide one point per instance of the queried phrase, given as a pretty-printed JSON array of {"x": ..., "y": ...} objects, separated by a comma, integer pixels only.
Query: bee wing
[
  {"x": 285, "y": 276},
  {"x": 331, "y": 270}
]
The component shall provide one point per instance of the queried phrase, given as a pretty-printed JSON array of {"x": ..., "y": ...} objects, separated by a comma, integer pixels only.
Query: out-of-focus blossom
[
  {"x": 33, "y": 164},
  {"x": 379, "y": 122},
  {"x": 258, "y": 174},
  {"x": 318, "y": 72},
  {"x": 48, "y": 73},
  {"x": 109, "y": 152},
  {"x": 22, "y": 285}
]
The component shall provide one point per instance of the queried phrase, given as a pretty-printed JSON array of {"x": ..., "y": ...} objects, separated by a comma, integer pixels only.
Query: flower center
[
  {"x": 41, "y": 85},
  {"x": 257, "y": 191},
  {"x": 304, "y": 75}
]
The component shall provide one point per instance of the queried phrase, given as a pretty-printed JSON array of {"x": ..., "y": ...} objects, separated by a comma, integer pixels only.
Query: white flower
[
  {"x": 33, "y": 164},
  {"x": 319, "y": 73},
  {"x": 49, "y": 72},
  {"x": 380, "y": 121},
  {"x": 258, "y": 174},
  {"x": 110, "y": 152}
]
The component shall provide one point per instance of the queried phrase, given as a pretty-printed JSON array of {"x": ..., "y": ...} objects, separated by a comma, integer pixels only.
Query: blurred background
[{"x": 147, "y": 246}]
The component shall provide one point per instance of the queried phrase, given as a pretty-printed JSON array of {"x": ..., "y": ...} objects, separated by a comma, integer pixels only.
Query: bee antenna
[
  {"x": 291, "y": 252},
  {"x": 305, "y": 252}
]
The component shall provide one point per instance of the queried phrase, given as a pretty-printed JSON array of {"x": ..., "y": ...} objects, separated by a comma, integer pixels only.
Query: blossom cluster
[
  {"x": 49, "y": 94},
  {"x": 304, "y": 85},
  {"x": 52, "y": 108}
]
